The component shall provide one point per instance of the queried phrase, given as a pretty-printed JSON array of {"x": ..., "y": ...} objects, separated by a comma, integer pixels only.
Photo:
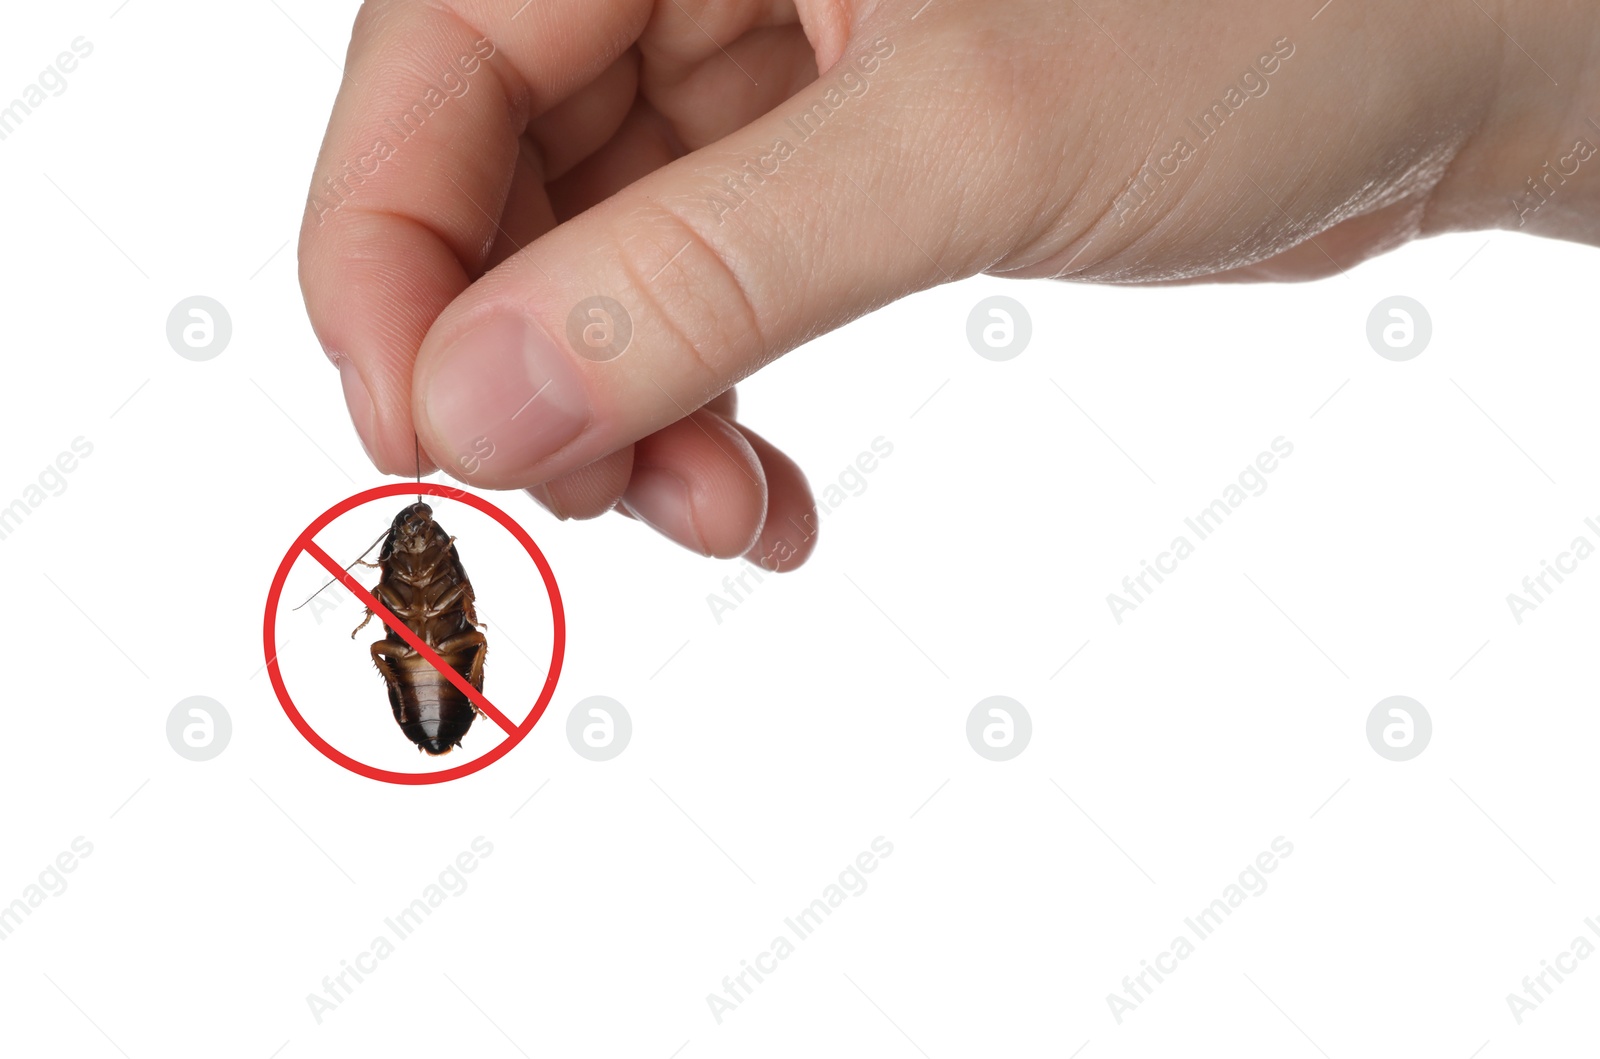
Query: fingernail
[
  {"x": 359, "y": 402},
  {"x": 660, "y": 499},
  {"x": 542, "y": 494},
  {"x": 503, "y": 397}
]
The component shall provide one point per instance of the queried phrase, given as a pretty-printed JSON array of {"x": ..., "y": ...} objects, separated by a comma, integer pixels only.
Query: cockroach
[{"x": 424, "y": 584}]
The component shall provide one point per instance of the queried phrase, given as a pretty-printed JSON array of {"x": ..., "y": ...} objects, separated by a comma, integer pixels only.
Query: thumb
[{"x": 630, "y": 316}]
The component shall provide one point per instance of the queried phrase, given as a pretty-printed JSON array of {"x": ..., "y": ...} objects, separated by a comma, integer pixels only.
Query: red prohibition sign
[{"x": 515, "y": 733}]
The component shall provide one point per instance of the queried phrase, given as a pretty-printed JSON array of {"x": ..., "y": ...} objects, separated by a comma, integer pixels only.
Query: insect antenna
[
  {"x": 416, "y": 446},
  {"x": 358, "y": 558}
]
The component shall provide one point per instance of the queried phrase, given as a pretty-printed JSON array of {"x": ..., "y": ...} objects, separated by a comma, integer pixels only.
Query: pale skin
[{"x": 581, "y": 148}]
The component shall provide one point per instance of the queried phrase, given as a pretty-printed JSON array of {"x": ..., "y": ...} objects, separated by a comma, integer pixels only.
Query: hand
[{"x": 509, "y": 193}]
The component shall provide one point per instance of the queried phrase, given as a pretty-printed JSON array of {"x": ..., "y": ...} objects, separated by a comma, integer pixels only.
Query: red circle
[{"x": 558, "y": 647}]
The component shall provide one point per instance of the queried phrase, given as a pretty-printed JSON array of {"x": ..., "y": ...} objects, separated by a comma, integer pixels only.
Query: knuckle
[{"x": 693, "y": 296}]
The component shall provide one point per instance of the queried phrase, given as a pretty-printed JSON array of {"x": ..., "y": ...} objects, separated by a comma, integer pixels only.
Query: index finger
[{"x": 415, "y": 169}]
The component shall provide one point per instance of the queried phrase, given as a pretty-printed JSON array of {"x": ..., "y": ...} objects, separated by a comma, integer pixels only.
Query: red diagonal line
[{"x": 428, "y": 654}]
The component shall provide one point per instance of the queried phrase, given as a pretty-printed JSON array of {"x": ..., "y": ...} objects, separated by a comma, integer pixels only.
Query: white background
[{"x": 829, "y": 707}]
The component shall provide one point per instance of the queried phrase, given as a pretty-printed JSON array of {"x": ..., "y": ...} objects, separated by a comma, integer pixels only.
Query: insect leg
[
  {"x": 382, "y": 652},
  {"x": 460, "y": 590},
  {"x": 475, "y": 639},
  {"x": 448, "y": 600},
  {"x": 384, "y": 597}
]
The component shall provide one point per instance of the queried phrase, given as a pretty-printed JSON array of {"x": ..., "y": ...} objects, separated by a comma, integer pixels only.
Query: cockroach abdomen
[{"x": 431, "y": 711}]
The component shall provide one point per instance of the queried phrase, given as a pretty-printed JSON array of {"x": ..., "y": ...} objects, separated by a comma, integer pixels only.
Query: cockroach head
[{"x": 414, "y": 530}]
